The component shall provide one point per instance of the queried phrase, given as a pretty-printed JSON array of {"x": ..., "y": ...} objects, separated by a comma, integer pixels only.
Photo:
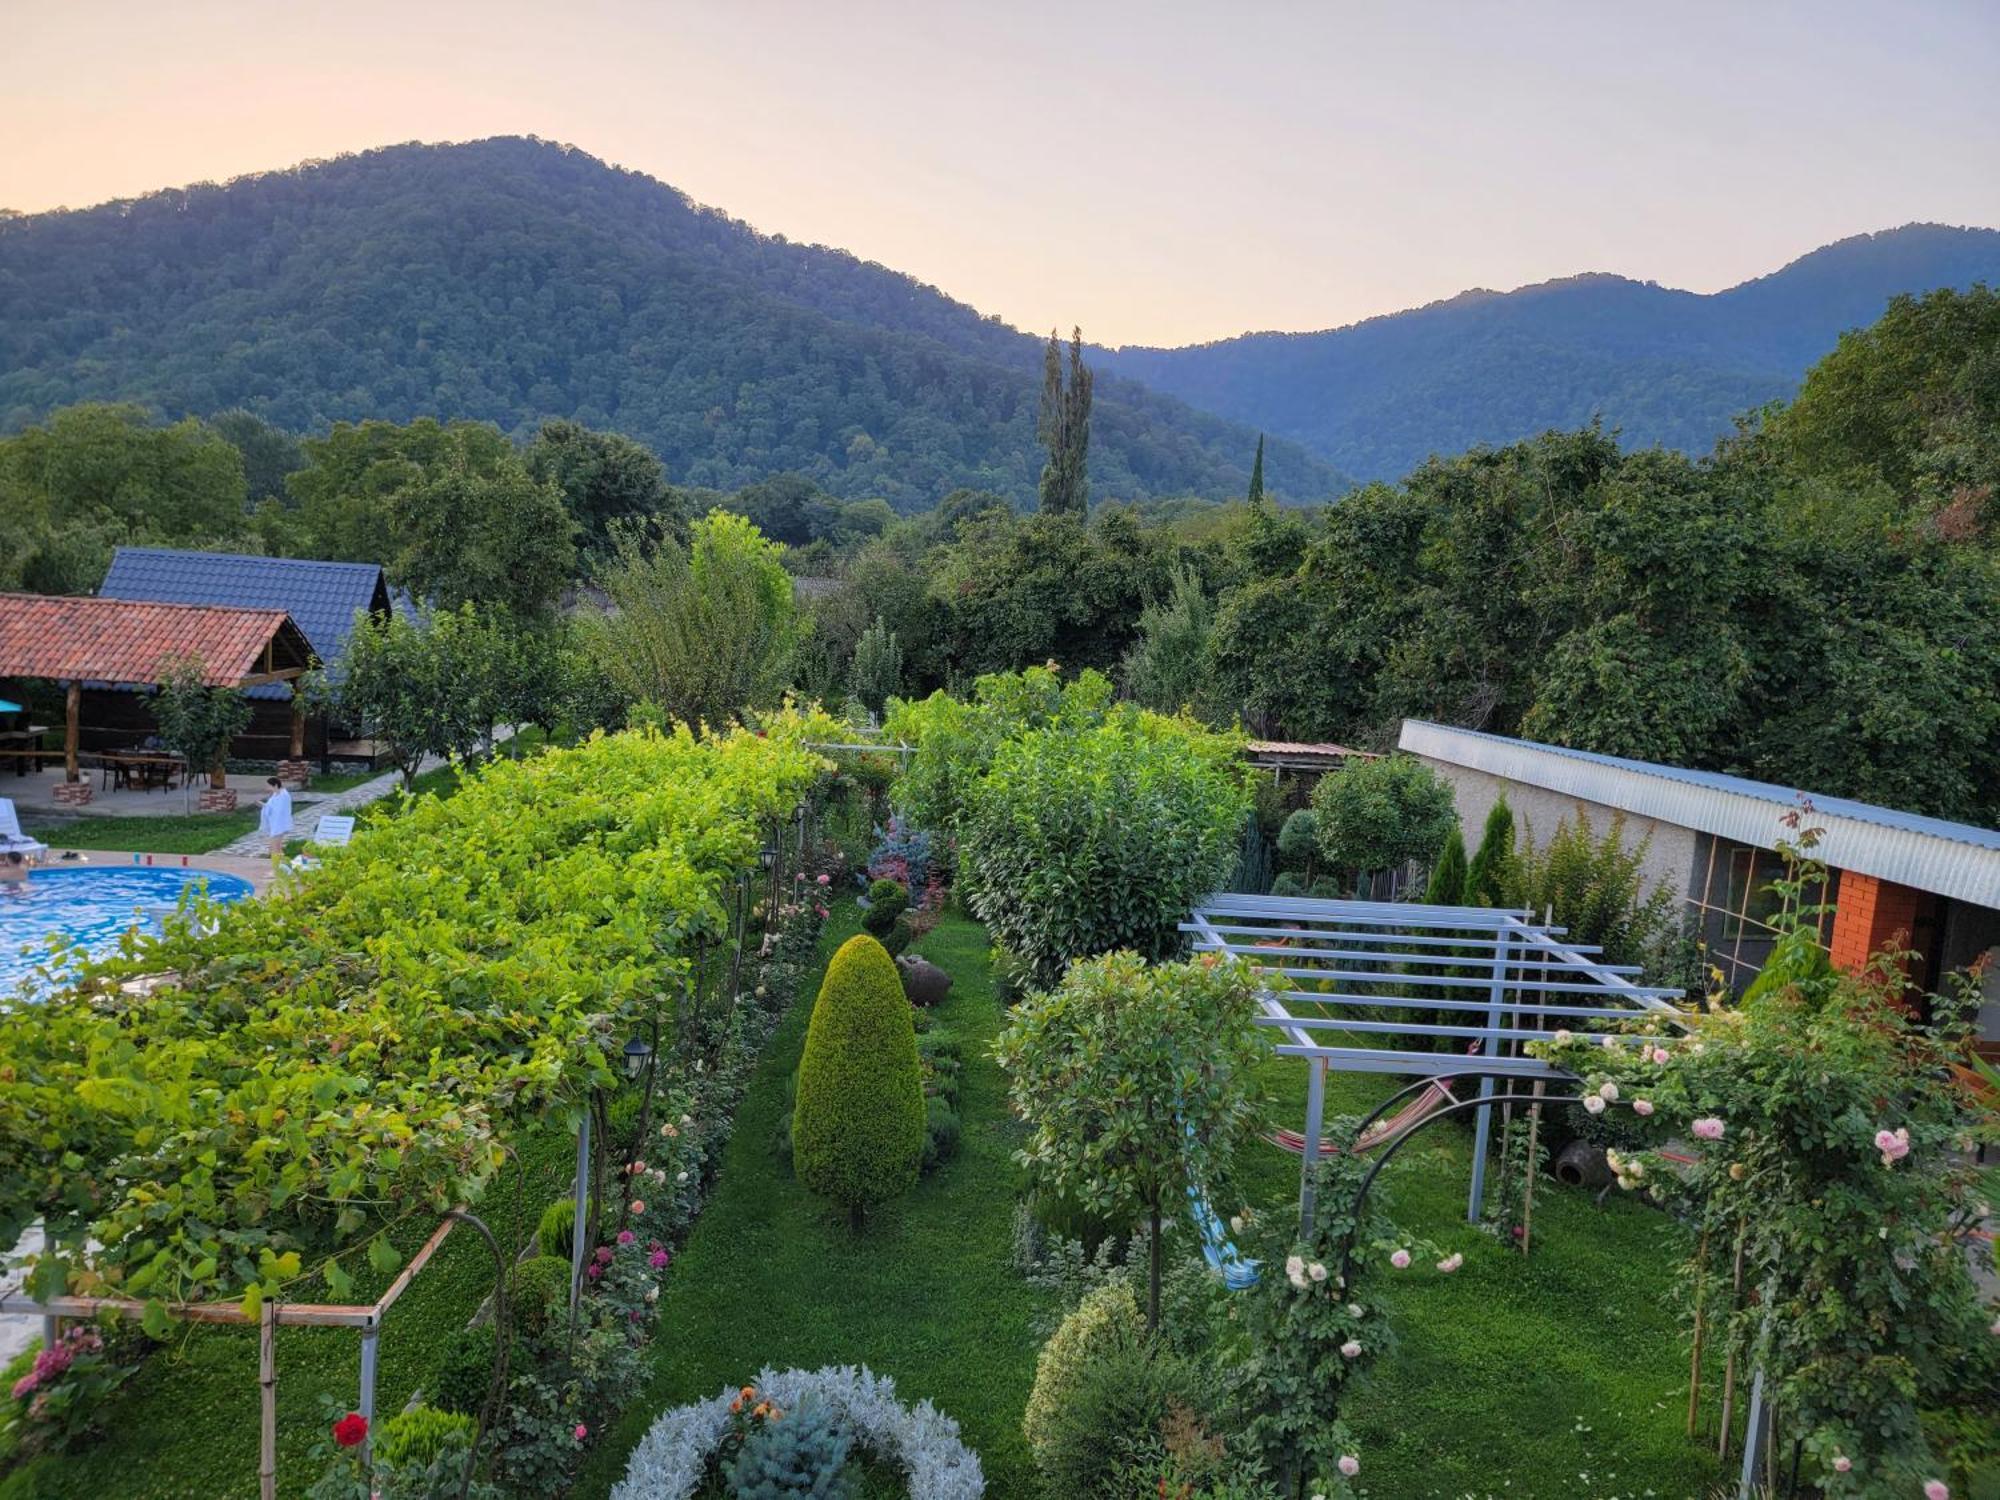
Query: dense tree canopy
[{"x": 513, "y": 281}]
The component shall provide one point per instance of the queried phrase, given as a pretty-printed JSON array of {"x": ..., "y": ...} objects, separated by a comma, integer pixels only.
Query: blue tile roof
[{"x": 321, "y": 597}]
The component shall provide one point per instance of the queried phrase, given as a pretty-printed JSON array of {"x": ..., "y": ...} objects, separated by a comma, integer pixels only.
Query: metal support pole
[
  {"x": 51, "y": 1331},
  {"x": 267, "y": 1380},
  {"x": 579, "y": 1233},
  {"x": 1755, "y": 1435},
  {"x": 1483, "y": 1126},
  {"x": 370, "y": 1342},
  {"x": 1315, "y": 1120}
]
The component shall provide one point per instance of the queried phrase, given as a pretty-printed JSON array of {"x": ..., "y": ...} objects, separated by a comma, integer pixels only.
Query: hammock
[{"x": 1382, "y": 1132}]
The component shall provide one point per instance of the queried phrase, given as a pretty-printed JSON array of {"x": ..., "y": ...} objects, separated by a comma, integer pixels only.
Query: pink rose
[
  {"x": 1660, "y": 1056},
  {"x": 1842, "y": 1463},
  {"x": 1351, "y": 1349},
  {"x": 1400, "y": 1260},
  {"x": 1936, "y": 1489},
  {"x": 638, "y": 1205},
  {"x": 657, "y": 1260},
  {"x": 1593, "y": 1104},
  {"x": 1708, "y": 1128},
  {"x": 1893, "y": 1144},
  {"x": 1642, "y": 1106},
  {"x": 826, "y": 880},
  {"x": 1349, "y": 1465},
  {"x": 626, "y": 1236},
  {"x": 582, "y": 1432}
]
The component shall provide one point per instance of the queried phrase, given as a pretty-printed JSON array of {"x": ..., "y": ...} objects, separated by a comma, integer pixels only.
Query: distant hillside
[
  {"x": 511, "y": 280},
  {"x": 1661, "y": 366}
]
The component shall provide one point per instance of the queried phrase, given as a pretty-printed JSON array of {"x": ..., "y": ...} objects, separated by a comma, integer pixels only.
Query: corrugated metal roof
[
  {"x": 1303, "y": 750},
  {"x": 66, "y": 638},
  {"x": 321, "y": 597},
  {"x": 1931, "y": 854}
]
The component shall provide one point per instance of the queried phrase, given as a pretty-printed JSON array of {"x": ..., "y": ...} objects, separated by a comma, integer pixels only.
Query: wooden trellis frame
[{"x": 272, "y": 1315}]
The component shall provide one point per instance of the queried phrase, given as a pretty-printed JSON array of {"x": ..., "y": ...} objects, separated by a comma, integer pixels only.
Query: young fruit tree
[{"x": 1136, "y": 1081}]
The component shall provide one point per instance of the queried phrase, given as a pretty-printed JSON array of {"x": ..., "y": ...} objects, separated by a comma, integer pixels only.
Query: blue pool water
[{"x": 93, "y": 906}]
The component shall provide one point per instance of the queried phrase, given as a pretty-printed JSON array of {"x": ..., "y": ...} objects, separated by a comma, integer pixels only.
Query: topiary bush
[
  {"x": 1382, "y": 814},
  {"x": 466, "y": 1373},
  {"x": 1298, "y": 842},
  {"x": 419, "y": 1435},
  {"x": 887, "y": 901},
  {"x": 858, "y": 1125},
  {"x": 556, "y": 1231},
  {"x": 1288, "y": 884},
  {"x": 536, "y": 1289},
  {"x": 801, "y": 1453},
  {"x": 1105, "y": 1321}
]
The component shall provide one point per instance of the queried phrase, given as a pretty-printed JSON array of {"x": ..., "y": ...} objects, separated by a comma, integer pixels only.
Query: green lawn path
[{"x": 927, "y": 1294}]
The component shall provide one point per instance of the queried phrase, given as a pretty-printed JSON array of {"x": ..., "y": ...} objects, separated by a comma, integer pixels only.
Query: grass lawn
[
  {"x": 1558, "y": 1375},
  {"x": 190, "y": 833},
  {"x": 927, "y": 1295},
  {"x": 186, "y": 1425}
]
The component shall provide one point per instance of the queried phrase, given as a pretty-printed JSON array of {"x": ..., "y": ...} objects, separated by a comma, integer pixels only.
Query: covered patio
[{"x": 108, "y": 651}]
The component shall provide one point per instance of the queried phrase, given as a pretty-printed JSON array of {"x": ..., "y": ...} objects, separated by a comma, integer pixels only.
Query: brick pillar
[{"x": 1868, "y": 914}]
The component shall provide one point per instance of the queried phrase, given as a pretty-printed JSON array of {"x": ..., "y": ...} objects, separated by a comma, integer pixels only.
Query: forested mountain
[
  {"x": 512, "y": 280},
  {"x": 1660, "y": 366}
]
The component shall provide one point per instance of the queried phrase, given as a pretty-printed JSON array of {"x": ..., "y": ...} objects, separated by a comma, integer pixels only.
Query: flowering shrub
[
  {"x": 1314, "y": 1322},
  {"x": 60, "y": 1397},
  {"x": 1830, "y": 1156}
]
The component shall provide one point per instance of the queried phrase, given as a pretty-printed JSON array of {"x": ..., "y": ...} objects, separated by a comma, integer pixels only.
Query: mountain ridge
[{"x": 512, "y": 280}]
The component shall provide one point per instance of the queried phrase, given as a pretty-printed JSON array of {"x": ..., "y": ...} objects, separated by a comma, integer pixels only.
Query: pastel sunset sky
[{"x": 1159, "y": 172}]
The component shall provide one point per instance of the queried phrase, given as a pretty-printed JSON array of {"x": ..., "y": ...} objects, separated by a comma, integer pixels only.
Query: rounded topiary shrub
[
  {"x": 536, "y": 1290},
  {"x": 556, "y": 1232},
  {"x": 419, "y": 1435},
  {"x": 1288, "y": 884},
  {"x": 1107, "y": 1320},
  {"x": 466, "y": 1373},
  {"x": 858, "y": 1125},
  {"x": 887, "y": 900}
]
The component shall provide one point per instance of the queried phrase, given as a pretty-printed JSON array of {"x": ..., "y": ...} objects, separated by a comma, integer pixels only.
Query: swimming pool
[{"x": 92, "y": 906}]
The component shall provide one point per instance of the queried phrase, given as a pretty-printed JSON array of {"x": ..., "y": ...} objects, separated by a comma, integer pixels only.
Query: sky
[{"x": 1160, "y": 173}]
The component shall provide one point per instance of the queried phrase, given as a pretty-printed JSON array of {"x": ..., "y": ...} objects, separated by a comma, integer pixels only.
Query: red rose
[{"x": 351, "y": 1430}]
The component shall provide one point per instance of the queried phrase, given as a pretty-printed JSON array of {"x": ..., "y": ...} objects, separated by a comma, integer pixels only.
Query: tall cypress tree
[
  {"x": 1486, "y": 879},
  {"x": 1447, "y": 882},
  {"x": 1064, "y": 428},
  {"x": 1257, "y": 474}
]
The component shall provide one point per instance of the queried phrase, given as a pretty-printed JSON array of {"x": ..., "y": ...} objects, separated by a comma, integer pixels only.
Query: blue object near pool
[{"x": 93, "y": 906}]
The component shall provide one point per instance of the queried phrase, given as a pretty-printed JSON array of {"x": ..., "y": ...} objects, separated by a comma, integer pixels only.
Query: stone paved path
[{"x": 307, "y": 818}]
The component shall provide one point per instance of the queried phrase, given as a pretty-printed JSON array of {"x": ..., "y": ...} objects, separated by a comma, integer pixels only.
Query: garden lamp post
[{"x": 637, "y": 1054}]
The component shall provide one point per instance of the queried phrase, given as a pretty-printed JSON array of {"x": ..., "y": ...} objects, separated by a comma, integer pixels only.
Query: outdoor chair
[
  {"x": 333, "y": 831},
  {"x": 12, "y": 840}
]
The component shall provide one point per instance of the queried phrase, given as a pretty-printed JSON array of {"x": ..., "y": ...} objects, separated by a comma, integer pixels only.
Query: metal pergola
[{"x": 1395, "y": 976}]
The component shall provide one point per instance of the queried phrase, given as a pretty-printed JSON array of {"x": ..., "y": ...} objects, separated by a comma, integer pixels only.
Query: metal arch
[{"x": 1388, "y": 1154}]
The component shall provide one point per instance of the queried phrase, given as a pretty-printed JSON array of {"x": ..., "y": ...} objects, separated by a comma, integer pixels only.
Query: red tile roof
[{"x": 127, "y": 641}]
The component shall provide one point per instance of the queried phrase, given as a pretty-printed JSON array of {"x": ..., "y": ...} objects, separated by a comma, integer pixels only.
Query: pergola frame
[{"x": 1514, "y": 972}]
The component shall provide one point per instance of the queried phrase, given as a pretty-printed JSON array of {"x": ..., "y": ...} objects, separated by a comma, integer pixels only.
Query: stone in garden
[{"x": 923, "y": 981}]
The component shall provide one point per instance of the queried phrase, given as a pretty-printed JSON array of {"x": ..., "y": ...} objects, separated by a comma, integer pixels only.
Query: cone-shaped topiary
[
  {"x": 858, "y": 1126},
  {"x": 1492, "y": 868}
]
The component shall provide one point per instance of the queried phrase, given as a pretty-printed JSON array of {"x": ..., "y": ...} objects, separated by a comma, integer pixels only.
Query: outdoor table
[{"x": 29, "y": 739}]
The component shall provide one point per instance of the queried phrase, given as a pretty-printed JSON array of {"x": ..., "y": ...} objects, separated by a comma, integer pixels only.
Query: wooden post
[
  {"x": 298, "y": 725},
  {"x": 1729, "y": 1364},
  {"x": 267, "y": 1378},
  {"x": 71, "y": 729},
  {"x": 1528, "y": 1186}
]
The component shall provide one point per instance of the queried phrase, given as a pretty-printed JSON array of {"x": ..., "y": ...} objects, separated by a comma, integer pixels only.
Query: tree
[
  {"x": 1169, "y": 666},
  {"x": 603, "y": 478},
  {"x": 1256, "y": 496},
  {"x": 1382, "y": 814},
  {"x": 425, "y": 687},
  {"x": 1064, "y": 428},
  {"x": 878, "y": 666},
  {"x": 703, "y": 632},
  {"x": 1136, "y": 1083},
  {"x": 858, "y": 1125},
  {"x": 269, "y": 453},
  {"x": 96, "y": 476},
  {"x": 197, "y": 721},
  {"x": 1596, "y": 888},
  {"x": 450, "y": 512},
  {"x": 1081, "y": 841},
  {"x": 1492, "y": 869},
  {"x": 1449, "y": 884}
]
